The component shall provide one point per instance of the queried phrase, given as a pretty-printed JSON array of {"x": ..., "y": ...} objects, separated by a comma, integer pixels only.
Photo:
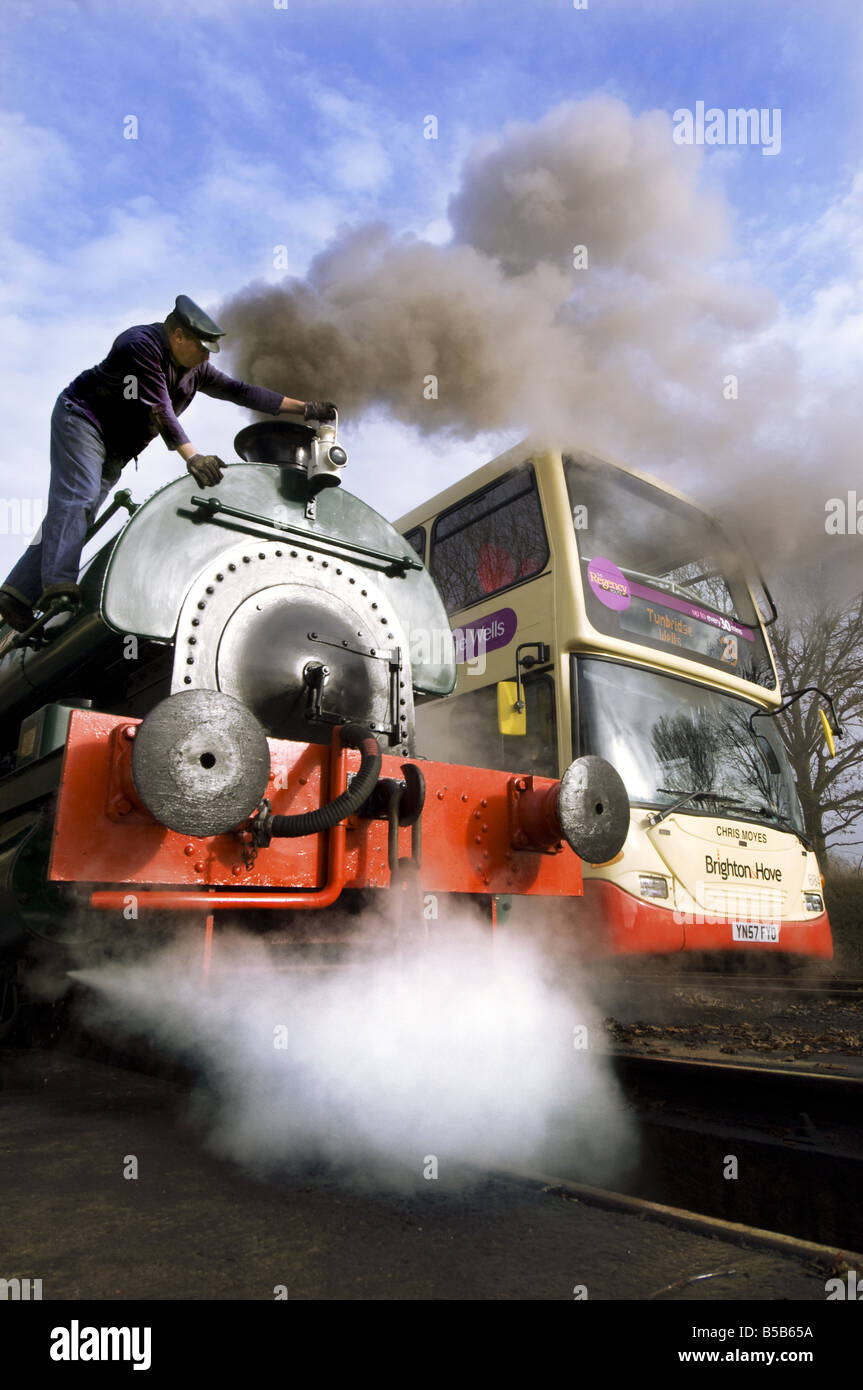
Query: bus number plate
[{"x": 755, "y": 931}]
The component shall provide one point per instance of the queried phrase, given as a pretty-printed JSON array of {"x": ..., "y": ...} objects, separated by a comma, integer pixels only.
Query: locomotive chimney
[
  {"x": 275, "y": 441},
  {"x": 317, "y": 452}
]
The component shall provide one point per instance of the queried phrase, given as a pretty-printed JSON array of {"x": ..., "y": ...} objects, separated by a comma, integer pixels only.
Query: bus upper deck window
[
  {"x": 493, "y": 539},
  {"x": 416, "y": 539}
]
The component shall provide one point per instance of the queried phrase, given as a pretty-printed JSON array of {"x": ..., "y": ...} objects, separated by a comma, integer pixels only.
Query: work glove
[
  {"x": 206, "y": 469},
  {"x": 319, "y": 410}
]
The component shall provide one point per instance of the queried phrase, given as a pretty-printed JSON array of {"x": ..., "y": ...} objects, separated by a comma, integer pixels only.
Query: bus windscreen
[
  {"x": 659, "y": 572},
  {"x": 667, "y": 737}
]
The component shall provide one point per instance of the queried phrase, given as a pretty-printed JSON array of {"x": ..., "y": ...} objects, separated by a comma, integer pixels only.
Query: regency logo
[{"x": 609, "y": 584}]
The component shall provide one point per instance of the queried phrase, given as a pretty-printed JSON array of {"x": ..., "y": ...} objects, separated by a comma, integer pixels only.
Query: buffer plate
[
  {"x": 593, "y": 809},
  {"x": 200, "y": 762}
]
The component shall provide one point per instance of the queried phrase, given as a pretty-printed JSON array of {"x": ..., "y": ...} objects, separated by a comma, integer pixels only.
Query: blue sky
[{"x": 260, "y": 126}]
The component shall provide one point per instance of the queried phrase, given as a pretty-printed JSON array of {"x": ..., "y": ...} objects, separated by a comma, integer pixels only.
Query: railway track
[
  {"x": 835, "y": 987},
  {"x": 795, "y": 1135},
  {"x": 200, "y": 1224},
  {"x": 765, "y": 1146}
]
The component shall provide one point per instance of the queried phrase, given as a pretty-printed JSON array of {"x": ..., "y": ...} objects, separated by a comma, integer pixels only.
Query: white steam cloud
[{"x": 465, "y": 1055}]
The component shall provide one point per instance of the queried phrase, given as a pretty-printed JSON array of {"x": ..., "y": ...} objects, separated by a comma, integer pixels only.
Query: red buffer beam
[{"x": 472, "y": 837}]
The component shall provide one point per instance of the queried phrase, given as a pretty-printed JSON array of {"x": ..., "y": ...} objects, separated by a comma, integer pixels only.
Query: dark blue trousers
[{"x": 82, "y": 474}]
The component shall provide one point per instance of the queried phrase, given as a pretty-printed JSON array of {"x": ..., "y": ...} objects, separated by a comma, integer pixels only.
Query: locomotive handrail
[
  {"x": 123, "y": 498},
  {"x": 213, "y": 505}
]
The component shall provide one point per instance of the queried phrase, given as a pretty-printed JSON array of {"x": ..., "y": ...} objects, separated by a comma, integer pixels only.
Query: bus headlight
[
  {"x": 653, "y": 886},
  {"x": 813, "y": 902}
]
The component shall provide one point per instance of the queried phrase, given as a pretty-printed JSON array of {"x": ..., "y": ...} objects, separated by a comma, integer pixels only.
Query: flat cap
[{"x": 192, "y": 316}]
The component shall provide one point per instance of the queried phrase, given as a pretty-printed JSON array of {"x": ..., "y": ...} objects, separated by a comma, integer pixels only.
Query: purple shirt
[{"x": 138, "y": 392}]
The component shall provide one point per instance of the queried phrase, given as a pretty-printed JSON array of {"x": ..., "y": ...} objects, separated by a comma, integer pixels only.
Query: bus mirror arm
[
  {"x": 768, "y": 622},
  {"x": 832, "y": 728},
  {"x": 543, "y": 656},
  {"x": 511, "y": 704}
]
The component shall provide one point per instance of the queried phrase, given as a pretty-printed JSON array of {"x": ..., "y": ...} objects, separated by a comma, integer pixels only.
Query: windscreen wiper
[
  {"x": 786, "y": 821},
  {"x": 658, "y": 816}
]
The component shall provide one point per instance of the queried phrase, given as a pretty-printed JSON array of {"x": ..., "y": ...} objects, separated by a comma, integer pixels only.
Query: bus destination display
[{"x": 653, "y": 615}]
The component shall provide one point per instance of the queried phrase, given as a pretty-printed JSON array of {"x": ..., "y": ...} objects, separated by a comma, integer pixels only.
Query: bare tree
[{"x": 822, "y": 644}]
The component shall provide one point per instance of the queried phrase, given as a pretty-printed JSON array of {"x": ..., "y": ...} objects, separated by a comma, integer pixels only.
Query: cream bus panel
[{"x": 716, "y": 870}]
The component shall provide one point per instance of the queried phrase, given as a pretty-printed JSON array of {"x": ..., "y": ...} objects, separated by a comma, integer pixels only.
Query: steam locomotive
[{"x": 224, "y": 727}]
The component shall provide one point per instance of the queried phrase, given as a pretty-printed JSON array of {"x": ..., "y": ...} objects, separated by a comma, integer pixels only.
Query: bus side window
[
  {"x": 493, "y": 539},
  {"x": 416, "y": 539},
  {"x": 464, "y": 729},
  {"x": 536, "y": 751}
]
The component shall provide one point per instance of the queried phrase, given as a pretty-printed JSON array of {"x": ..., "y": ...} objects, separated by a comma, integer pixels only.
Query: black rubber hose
[{"x": 325, "y": 817}]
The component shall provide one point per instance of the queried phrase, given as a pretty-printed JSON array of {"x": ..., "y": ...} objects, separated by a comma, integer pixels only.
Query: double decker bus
[{"x": 597, "y": 611}]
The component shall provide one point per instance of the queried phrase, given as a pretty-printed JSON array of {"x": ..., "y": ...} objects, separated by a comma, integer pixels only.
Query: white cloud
[
  {"x": 36, "y": 162},
  {"x": 823, "y": 321},
  {"x": 352, "y": 153}
]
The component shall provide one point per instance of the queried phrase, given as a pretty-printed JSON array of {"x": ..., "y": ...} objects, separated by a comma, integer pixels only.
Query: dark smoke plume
[{"x": 630, "y": 354}]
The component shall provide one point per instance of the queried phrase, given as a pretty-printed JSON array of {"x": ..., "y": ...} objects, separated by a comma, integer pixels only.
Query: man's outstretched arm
[{"x": 226, "y": 388}]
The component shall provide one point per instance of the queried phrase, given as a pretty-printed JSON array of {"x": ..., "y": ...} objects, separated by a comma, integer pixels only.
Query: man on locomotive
[{"x": 106, "y": 417}]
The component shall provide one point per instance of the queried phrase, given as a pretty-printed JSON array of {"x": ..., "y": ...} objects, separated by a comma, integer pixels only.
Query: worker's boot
[
  {"x": 59, "y": 596},
  {"x": 15, "y": 609}
]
